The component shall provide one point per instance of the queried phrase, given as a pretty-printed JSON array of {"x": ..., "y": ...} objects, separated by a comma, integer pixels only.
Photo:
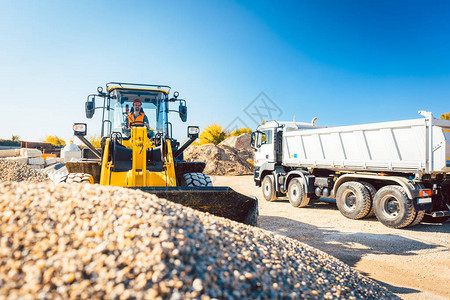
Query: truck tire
[
  {"x": 353, "y": 200},
  {"x": 196, "y": 179},
  {"x": 393, "y": 208},
  {"x": 297, "y": 194},
  {"x": 77, "y": 178},
  {"x": 268, "y": 188},
  {"x": 419, "y": 217},
  {"x": 372, "y": 192}
]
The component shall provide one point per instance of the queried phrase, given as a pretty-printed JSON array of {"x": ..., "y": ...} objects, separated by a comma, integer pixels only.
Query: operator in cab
[{"x": 136, "y": 116}]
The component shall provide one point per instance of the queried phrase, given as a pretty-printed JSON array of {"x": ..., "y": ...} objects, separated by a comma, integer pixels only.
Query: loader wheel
[
  {"x": 77, "y": 178},
  {"x": 296, "y": 193},
  {"x": 372, "y": 192},
  {"x": 353, "y": 200},
  {"x": 393, "y": 208},
  {"x": 196, "y": 179},
  {"x": 268, "y": 188}
]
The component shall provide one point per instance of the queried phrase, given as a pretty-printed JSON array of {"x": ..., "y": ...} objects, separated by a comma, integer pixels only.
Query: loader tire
[
  {"x": 268, "y": 188},
  {"x": 77, "y": 178},
  {"x": 393, "y": 208},
  {"x": 353, "y": 200},
  {"x": 196, "y": 179}
]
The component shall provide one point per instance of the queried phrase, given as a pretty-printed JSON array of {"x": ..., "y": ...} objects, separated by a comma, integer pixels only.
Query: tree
[
  {"x": 53, "y": 139},
  {"x": 240, "y": 131},
  {"x": 95, "y": 141},
  {"x": 212, "y": 134},
  {"x": 446, "y": 116},
  {"x": 15, "y": 138}
]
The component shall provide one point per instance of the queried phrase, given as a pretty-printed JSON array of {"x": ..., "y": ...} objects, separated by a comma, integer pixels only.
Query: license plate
[{"x": 424, "y": 200}]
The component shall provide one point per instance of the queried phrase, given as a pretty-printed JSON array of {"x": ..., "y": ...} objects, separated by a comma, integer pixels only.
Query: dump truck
[
  {"x": 144, "y": 155},
  {"x": 398, "y": 171}
]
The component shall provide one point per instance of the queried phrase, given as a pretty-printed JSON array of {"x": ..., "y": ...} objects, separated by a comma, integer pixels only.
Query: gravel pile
[
  {"x": 84, "y": 241},
  {"x": 232, "y": 156},
  {"x": 14, "y": 171}
]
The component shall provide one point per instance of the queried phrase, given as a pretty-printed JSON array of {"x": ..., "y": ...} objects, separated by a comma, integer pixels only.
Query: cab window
[{"x": 264, "y": 137}]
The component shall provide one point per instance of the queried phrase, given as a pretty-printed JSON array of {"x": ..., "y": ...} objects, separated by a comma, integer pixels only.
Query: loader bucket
[{"x": 219, "y": 201}]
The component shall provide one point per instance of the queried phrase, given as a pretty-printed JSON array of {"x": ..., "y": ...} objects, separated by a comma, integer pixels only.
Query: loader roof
[{"x": 127, "y": 92}]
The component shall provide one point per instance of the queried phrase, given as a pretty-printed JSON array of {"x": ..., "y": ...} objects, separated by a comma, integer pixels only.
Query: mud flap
[{"x": 219, "y": 201}]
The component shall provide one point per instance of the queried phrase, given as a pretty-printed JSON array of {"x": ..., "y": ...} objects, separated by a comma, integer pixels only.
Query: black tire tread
[
  {"x": 361, "y": 192},
  {"x": 411, "y": 212},
  {"x": 196, "y": 179}
]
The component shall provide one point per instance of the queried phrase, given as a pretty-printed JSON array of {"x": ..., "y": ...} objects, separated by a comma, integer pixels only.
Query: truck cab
[{"x": 267, "y": 142}]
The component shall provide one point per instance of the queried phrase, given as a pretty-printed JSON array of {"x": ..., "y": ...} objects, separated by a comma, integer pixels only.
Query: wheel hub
[
  {"x": 350, "y": 201},
  {"x": 392, "y": 207}
]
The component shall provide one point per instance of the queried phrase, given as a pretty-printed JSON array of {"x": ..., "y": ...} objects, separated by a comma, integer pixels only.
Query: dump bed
[{"x": 416, "y": 146}]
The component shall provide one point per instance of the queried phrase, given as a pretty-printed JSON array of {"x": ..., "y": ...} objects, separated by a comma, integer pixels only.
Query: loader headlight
[
  {"x": 176, "y": 94},
  {"x": 100, "y": 90},
  {"x": 193, "y": 131},
  {"x": 80, "y": 129}
]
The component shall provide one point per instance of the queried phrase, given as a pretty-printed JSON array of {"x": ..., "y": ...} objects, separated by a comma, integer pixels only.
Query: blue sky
[{"x": 345, "y": 62}]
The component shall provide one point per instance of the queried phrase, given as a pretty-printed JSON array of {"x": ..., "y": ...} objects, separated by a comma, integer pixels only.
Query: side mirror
[
  {"x": 80, "y": 129},
  {"x": 182, "y": 110},
  {"x": 253, "y": 140},
  {"x": 193, "y": 132},
  {"x": 90, "y": 108}
]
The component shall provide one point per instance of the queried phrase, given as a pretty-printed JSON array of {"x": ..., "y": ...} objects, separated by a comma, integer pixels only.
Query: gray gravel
[
  {"x": 14, "y": 171},
  {"x": 84, "y": 241}
]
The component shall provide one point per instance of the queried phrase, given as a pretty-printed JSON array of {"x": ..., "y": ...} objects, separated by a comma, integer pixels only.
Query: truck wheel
[
  {"x": 196, "y": 179},
  {"x": 77, "y": 178},
  {"x": 419, "y": 217},
  {"x": 353, "y": 200},
  {"x": 268, "y": 188},
  {"x": 296, "y": 193},
  {"x": 372, "y": 192},
  {"x": 393, "y": 208}
]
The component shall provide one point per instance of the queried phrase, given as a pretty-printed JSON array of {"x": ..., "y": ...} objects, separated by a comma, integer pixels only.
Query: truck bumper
[{"x": 257, "y": 176}]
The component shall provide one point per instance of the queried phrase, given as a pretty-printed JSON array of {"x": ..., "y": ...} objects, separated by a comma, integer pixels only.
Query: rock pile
[
  {"x": 90, "y": 241},
  {"x": 16, "y": 171},
  {"x": 231, "y": 157}
]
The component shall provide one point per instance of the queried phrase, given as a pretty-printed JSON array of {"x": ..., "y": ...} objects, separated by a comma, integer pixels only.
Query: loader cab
[{"x": 120, "y": 104}]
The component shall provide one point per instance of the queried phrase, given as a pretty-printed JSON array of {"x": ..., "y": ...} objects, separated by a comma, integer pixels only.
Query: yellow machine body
[{"x": 138, "y": 175}]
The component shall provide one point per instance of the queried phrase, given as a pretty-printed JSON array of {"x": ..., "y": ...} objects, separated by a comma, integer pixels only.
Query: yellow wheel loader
[{"x": 143, "y": 155}]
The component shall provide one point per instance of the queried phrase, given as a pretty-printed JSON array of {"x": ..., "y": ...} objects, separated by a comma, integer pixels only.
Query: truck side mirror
[
  {"x": 182, "y": 110},
  {"x": 253, "y": 140},
  {"x": 90, "y": 108}
]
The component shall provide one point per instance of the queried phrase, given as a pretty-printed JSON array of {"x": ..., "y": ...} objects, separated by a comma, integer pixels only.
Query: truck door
[{"x": 264, "y": 147}]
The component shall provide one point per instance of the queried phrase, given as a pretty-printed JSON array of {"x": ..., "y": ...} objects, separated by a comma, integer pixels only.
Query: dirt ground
[{"x": 413, "y": 263}]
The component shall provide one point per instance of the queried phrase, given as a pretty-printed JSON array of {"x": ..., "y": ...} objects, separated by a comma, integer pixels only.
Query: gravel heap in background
[
  {"x": 14, "y": 171},
  {"x": 232, "y": 156},
  {"x": 84, "y": 241}
]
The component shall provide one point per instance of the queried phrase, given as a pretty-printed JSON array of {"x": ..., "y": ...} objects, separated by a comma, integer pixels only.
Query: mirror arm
[
  {"x": 185, "y": 145},
  {"x": 90, "y": 146}
]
